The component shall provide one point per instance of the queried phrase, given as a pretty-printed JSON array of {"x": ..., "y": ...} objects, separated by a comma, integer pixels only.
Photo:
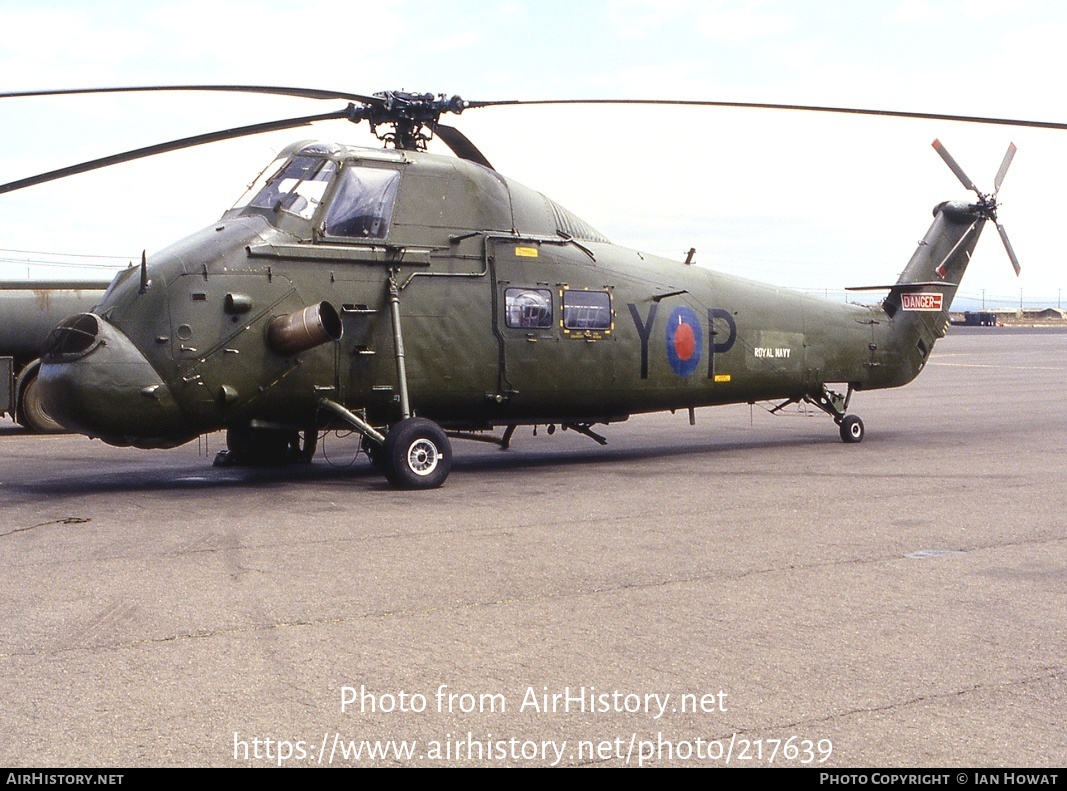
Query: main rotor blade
[
  {"x": 305, "y": 93},
  {"x": 954, "y": 166},
  {"x": 972, "y": 119},
  {"x": 1003, "y": 168},
  {"x": 173, "y": 145},
  {"x": 1008, "y": 247},
  {"x": 461, "y": 145},
  {"x": 312, "y": 93}
]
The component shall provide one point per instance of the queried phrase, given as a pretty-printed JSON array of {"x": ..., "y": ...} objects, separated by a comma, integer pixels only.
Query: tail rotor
[{"x": 986, "y": 208}]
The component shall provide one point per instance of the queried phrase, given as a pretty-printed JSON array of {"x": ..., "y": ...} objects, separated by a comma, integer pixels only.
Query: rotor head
[
  {"x": 413, "y": 118},
  {"x": 986, "y": 207}
]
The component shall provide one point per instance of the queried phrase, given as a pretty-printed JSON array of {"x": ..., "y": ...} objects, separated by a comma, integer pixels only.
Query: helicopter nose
[{"x": 95, "y": 381}]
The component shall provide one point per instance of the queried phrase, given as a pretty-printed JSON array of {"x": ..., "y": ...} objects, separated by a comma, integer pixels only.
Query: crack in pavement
[
  {"x": 67, "y": 520},
  {"x": 1044, "y": 675}
]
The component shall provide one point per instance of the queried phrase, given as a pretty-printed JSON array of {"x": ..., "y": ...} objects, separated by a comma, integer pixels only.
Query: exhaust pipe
[{"x": 294, "y": 333}]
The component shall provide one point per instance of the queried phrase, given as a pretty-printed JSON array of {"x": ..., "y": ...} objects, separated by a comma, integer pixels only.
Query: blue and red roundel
[{"x": 685, "y": 341}]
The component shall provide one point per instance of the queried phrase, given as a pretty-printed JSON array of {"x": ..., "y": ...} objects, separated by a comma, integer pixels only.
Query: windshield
[
  {"x": 363, "y": 205},
  {"x": 298, "y": 187}
]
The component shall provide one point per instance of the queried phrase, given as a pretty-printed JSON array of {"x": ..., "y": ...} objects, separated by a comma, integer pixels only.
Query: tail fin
[
  {"x": 917, "y": 304},
  {"x": 932, "y": 276},
  {"x": 929, "y": 282}
]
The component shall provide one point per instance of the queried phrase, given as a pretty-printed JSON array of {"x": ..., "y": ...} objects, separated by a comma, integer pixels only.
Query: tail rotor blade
[
  {"x": 1003, "y": 168},
  {"x": 954, "y": 166},
  {"x": 1008, "y": 247}
]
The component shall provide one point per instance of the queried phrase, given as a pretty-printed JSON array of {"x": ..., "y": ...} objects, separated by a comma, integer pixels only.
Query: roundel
[{"x": 685, "y": 341}]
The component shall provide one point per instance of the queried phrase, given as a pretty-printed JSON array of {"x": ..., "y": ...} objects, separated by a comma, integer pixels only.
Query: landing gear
[
  {"x": 833, "y": 404},
  {"x": 373, "y": 451},
  {"x": 416, "y": 454},
  {"x": 851, "y": 429}
]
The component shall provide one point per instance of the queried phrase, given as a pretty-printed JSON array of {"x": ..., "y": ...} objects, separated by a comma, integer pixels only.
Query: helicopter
[{"x": 417, "y": 298}]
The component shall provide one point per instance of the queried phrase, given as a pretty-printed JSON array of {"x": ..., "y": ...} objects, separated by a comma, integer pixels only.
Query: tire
[
  {"x": 416, "y": 454},
  {"x": 851, "y": 429},
  {"x": 32, "y": 413}
]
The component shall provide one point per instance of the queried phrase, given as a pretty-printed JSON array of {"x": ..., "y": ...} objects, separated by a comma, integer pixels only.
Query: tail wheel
[
  {"x": 416, "y": 454},
  {"x": 32, "y": 413},
  {"x": 851, "y": 429}
]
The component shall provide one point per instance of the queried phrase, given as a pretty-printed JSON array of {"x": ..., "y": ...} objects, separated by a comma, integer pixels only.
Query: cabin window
[
  {"x": 298, "y": 187},
  {"x": 362, "y": 207},
  {"x": 528, "y": 308},
  {"x": 586, "y": 310}
]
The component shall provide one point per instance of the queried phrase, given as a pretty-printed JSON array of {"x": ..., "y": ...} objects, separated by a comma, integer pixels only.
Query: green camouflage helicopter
[{"x": 414, "y": 297}]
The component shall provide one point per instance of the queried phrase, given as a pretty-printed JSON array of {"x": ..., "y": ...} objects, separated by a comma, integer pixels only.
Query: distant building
[{"x": 1001, "y": 316}]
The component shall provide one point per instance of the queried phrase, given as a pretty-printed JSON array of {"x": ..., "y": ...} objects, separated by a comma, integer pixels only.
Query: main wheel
[
  {"x": 416, "y": 454},
  {"x": 851, "y": 429},
  {"x": 31, "y": 411}
]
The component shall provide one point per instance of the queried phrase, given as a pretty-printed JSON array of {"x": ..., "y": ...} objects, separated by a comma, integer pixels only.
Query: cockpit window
[
  {"x": 298, "y": 187},
  {"x": 269, "y": 173},
  {"x": 363, "y": 204}
]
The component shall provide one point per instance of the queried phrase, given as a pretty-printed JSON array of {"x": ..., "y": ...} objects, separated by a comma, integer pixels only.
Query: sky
[{"x": 817, "y": 202}]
